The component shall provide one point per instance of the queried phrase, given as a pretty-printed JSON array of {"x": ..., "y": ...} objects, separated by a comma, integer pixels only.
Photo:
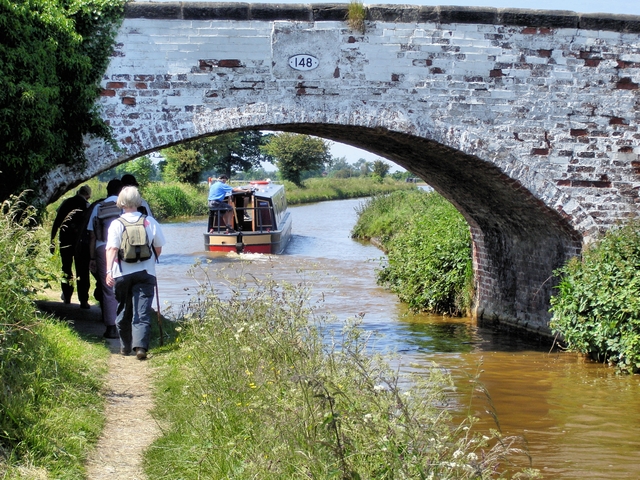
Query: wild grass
[
  {"x": 51, "y": 409},
  {"x": 322, "y": 189},
  {"x": 356, "y": 16},
  {"x": 178, "y": 200},
  {"x": 171, "y": 200},
  {"x": 428, "y": 247},
  {"x": 259, "y": 386}
]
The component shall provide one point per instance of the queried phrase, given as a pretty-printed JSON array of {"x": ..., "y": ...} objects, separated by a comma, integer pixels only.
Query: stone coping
[{"x": 384, "y": 13}]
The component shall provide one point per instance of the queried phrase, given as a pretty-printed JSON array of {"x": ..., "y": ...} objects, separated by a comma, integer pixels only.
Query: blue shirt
[{"x": 218, "y": 190}]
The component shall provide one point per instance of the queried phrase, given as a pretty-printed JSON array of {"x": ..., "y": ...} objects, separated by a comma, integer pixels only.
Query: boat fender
[{"x": 259, "y": 182}]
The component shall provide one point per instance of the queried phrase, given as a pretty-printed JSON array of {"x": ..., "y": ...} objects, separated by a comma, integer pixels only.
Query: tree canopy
[
  {"x": 295, "y": 154},
  {"x": 227, "y": 153},
  {"x": 52, "y": 57}
]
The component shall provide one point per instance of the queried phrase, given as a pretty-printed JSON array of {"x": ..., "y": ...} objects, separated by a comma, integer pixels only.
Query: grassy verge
[
  {"x": 177, "y": 200},
  {"x": 260, "y": 387},
  {"x": 428, "y": 247},
  {"x": 321, "y": 189},
  {"x": 51, "y": 407}
]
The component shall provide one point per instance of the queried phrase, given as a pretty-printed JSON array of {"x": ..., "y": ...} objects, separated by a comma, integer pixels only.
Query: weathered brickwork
[{"x": 526, "y": 120}]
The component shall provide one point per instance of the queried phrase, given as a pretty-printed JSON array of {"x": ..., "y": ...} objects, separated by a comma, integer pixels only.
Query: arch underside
[{"x": 518, "y": 239}]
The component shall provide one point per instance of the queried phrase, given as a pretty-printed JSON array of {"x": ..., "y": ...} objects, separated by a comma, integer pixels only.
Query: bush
[
  {"x": 53, "y": 57},
  {"x": 597, "y": 307},
  {"x": 428, "y": 246}
]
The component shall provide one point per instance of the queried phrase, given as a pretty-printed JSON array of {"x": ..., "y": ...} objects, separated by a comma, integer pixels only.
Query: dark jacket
[{"x": 69, "y": 220}]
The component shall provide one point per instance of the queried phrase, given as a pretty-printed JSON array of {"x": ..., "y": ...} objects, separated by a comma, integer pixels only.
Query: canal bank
[{"x": 579, "y": 419}]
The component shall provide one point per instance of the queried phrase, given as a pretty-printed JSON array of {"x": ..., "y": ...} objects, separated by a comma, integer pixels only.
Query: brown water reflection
[{"x": 580, "y": 420}]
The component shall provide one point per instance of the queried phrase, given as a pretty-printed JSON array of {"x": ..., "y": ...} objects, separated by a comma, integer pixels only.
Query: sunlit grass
[
  {"x": 51, "y": 407},
  {"x": 259, "y": 387}
]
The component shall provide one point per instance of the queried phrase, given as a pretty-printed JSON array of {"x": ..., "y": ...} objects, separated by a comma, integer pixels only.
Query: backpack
[
  {"x": 107, "y": 212},
  {"x": 135, "y": 246}
]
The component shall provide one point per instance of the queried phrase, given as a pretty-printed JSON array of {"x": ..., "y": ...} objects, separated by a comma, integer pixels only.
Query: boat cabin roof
[{"x": 265, "y": 190}]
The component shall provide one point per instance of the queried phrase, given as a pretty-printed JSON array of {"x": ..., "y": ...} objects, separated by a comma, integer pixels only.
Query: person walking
[
  {"x": 129, "y": 180},
  {"x": 134, "y": 279},
  {"x": 68, "y": 221},
  {"x": 102, "y": 216}
]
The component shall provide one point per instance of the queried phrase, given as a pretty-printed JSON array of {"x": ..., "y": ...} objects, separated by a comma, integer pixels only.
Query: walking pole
[
  {"x": 158, "y": 301},
  {"x": 158, "y": 316}
]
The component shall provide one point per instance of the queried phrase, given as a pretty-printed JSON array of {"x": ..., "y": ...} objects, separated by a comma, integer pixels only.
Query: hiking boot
[
  {"x": 141, "y": 353},
  {"x": 65, "y": 299},
  {"x": 111, "y": 332},
  {"x": 230, "y": 230},
  {"x": 85, "y": 305},
  {"x": 125, "y": 351}
]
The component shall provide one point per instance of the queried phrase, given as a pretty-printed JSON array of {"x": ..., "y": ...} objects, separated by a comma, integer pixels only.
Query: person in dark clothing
[{"x": 68, "y": 221}]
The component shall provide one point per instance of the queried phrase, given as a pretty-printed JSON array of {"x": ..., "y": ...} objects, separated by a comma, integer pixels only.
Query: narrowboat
[{"x": 261, "y": 222}]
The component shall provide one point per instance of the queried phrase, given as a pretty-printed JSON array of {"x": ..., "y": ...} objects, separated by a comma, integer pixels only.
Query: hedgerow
[
  {"x": 597, "y": 308},
  {"x": 53, "y": 55}
]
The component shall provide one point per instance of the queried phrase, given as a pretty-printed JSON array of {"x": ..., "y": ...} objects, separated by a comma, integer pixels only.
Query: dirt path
[{"x": 129, "y": 428}]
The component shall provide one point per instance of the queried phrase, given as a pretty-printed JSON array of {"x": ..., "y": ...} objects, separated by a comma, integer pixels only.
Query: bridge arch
[{"x": 523, "y": 120}]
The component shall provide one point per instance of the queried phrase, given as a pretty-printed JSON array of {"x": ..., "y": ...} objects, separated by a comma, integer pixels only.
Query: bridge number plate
[{"x": 303, "y": 62}]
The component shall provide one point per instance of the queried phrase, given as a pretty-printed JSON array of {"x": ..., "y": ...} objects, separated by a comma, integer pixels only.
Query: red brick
[
  {"x": 617, "y": 121},
  {"x": 626, "y": 84},
  {"x": 128, "y": 100},
  {"x": 107, "y": 93},
  {"x": 229, "y": 63},
  {"x": 578, "y": 132},
  {"x": 116, "y": 85},
  {"x": 141, "y": 85}
]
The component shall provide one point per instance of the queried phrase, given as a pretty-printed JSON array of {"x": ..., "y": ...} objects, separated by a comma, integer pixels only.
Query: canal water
[{"x": 579, "y": 419}]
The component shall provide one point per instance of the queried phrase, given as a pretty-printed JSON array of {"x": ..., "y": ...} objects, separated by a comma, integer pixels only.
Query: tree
[
  {"x": 380, "y": 168},
  {"x": 363, "y": 166},
  {"x": 142, "y": 168},
  {"x": 230, "y": 153},
  {"x": 295, "y": 154},
  {"x": 182, "y": 164},
  {"x": 53, "y": 57}
]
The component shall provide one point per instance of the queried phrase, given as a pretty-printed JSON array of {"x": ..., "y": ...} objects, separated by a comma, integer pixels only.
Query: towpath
[{"x": 129, "y": 427}]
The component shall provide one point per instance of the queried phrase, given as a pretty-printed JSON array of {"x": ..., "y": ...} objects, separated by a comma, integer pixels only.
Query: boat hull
[{"x": 273, "y": 242}]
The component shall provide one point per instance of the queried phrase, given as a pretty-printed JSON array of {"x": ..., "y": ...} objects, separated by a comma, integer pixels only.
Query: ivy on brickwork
[
  {"x": 53, "y": 54},
  {"x": 597, "y": 307}
]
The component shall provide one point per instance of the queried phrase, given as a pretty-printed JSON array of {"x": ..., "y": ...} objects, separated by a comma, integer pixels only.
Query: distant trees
[
  {"x": 295, "y": 154},
  {"x": 53, "y": 55},
  {"x": 228, "y": 153}
]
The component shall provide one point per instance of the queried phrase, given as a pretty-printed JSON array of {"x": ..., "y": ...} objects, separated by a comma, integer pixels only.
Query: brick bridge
[{"x": 526, "y": 120}]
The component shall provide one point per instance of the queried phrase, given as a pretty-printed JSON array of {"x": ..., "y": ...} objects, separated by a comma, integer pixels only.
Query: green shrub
[
  {"x": 266, "y": 391},
  {"x": 322, "y": 189},
  {"x": 597, "y": 307},
  {"x": 53, "y": 57},
  {"x": 428, "y": 246}
]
